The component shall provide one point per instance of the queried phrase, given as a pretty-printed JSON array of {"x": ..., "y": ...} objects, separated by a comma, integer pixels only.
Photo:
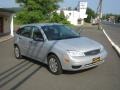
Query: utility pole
[
  {"x": 99, "y": 13},
  {"x": 99, "y": 9}
]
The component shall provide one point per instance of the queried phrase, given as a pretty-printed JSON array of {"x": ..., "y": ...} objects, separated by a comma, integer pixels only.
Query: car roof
[{"x": 40, "y": 24}]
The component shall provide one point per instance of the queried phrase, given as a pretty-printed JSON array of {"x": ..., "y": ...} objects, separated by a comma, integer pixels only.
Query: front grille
[{"x": 93, "y": 52}]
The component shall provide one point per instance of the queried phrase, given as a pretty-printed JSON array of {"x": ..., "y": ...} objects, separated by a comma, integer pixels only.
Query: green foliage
[
  {"x": 59, "y": 18},
  {"x": 91, "y": 14},
  {"x": 118, "y": 19},
  {"x": 35, "y": 11},
  {"x": 25, "y": 17}
]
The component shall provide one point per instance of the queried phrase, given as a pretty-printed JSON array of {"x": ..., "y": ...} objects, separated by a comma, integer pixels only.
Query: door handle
[{"x": 32, "y": 42}]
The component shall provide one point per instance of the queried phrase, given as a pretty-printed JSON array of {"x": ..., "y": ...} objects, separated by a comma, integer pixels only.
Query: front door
[
  {"x": 36, "y": 47},
  {"x": 1, "y": 25}
]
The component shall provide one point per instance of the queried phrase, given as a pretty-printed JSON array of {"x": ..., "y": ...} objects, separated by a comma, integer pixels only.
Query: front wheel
[{"x": 54, "y": 65}]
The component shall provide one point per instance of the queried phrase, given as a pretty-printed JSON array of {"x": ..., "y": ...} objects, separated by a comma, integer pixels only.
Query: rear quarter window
[
  {"x": 19, "y": 31},
  {"x": 25, "y": 31}
]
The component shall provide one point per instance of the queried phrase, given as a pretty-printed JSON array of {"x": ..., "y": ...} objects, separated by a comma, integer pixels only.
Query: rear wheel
[
  {"x": 17, "y": 52},
  {"x": 54, "y": 65}
]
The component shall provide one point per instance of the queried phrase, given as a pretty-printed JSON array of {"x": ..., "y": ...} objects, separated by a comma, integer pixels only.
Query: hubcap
[
  {"x": 17, "y": 52},
  {"x": 53, "y": 65}
]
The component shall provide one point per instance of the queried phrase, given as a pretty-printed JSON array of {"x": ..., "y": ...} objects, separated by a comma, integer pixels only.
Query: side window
[
  {"x": 37, "y": 33},
  {"x": 26, "y": 31}
]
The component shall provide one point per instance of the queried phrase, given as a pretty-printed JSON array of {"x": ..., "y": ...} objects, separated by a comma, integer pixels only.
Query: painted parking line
[{"x": 110, "y": 40}]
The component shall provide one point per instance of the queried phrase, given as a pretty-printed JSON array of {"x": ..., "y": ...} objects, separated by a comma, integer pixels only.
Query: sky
[
  {"x": 8, "y": 3},
  {"x": 109, "y": 6}
]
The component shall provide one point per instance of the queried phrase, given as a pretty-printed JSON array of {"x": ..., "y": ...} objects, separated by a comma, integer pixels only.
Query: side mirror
[{"x": 38, "y": 39}]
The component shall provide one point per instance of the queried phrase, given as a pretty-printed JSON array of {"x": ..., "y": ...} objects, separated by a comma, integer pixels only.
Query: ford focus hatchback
[{"x": 58, "y": 46}]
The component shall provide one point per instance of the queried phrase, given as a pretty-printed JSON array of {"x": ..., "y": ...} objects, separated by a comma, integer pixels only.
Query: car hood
[{"x": 82, "y": 43}]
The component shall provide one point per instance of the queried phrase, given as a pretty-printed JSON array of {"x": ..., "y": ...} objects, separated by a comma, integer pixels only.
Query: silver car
[{"x": 58, "y": 46}]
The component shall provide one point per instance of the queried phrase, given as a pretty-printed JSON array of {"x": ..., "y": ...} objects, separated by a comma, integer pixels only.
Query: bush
[
  {"x": 58, "y": 18},
  {"x": 91, "y": 14}
]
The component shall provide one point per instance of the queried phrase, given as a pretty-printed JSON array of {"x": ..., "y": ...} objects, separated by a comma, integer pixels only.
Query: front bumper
[{"x": 80, "y": 63}]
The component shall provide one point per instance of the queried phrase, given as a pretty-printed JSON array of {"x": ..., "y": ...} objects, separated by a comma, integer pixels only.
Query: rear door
[{"x": 24, "y": 38}]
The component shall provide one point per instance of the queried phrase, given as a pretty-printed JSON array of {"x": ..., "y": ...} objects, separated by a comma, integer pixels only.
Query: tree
[
  {"x": 69, "y": 8},
  {"x": 118, "y": 19},
  {"x": 91, "y": 14},
  {"x": 76, "y": 8},
  {"x": 34, "y": 11},
  {"x": 59, "y": 18}
]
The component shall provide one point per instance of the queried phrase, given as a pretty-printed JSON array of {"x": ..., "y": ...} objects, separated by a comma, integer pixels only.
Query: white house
[
  {"x": 76, "y": 17},
  {"x": 7, "y": 10},
  {"x": 6, "y": 21}
]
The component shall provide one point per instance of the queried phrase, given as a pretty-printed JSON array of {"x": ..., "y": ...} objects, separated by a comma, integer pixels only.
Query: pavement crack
[
  {"x": 15, "y": 76},
  {"x": 12, "y": 68},
  {"x": 1, "y": 79},
  {"x": 24, "y": 79}
]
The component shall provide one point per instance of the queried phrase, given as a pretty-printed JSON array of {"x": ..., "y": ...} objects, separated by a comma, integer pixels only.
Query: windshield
[{"x": 58, "y": 32}]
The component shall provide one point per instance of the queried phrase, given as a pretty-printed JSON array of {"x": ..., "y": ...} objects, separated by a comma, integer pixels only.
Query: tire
[
  {"x": 54, "y": 65},
  {"x": 17, "y": 52}
]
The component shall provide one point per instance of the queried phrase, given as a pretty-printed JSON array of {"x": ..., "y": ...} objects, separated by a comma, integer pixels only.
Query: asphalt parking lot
[{"x": 27, "y": 74}]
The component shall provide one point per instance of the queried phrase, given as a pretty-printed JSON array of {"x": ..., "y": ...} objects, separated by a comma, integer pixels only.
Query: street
[
  {"x": 27, "y": 74},
  {"x": 113, "y": 30}
]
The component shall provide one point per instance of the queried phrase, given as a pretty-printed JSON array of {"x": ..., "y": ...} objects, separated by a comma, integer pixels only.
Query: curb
[
  {"x": 110, "y": 40},
  {"x": 6, "y": 39}
]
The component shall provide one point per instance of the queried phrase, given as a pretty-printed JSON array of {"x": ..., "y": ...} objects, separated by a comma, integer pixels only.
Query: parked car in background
[{"x": 58, "y": 46}]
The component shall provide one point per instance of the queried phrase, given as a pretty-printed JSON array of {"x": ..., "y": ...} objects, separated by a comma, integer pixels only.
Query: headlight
[
  {"x": 101, "y": 48},
  {"x": 75, "y": 53}
]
